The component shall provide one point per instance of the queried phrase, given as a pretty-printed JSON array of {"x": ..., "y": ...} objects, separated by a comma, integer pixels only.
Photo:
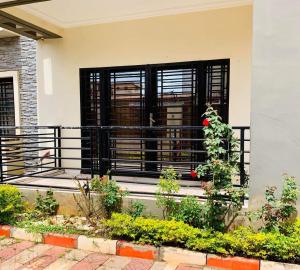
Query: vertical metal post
[
  {"x": 242, "y": 156},
  {"x": 1, "y": 168},
  {"x": 104, "y": 148},
  {"x": 55, "y": 146},
  {"x": 59, "y": 146},
  {"x": 91, "y": 153}
]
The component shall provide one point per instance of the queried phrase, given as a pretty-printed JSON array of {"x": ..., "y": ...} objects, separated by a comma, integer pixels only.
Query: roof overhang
[
  {"x": 19, "y": 21},
  {"x": 24, "y": 28},
  {"x": 12, "y": 3},
  {"x": 48, "y": 18}
]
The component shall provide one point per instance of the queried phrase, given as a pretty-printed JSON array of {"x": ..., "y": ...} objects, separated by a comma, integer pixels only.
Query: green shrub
[
  {"x": 223, "y": 200},
  {"x": 150, "y": 231},
  {"x": 110, "y": 193},
  {"x": 277, "y": 211},
  {"x": 10, "y": 204},
  {"x": 136, "y": 209},
  {"x": 240, "y": 242},
  {"x": 46, "y": 205},
  {"x": 191, "y": 212},
  {"x": 168, "y": 186}
]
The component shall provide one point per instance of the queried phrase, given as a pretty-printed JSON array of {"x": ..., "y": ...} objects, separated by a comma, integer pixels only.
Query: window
[
  {"x": 165, "y": 95},
  {"x": 9, "y": 100}
]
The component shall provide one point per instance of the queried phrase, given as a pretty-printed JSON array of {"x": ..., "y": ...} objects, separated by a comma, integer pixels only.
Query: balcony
[{"x": 52, "y": 156}]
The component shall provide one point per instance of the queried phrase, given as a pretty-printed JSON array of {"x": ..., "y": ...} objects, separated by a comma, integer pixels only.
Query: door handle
[{"x": 151, "y": 120}]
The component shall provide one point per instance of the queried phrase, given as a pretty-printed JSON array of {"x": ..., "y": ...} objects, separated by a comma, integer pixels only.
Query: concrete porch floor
[{"x": 136, "y": 186}]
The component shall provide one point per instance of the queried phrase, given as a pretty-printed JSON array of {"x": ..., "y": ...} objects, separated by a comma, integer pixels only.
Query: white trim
[
  {"x": 15, "y": 76},
  {"x": 140, "y": 15}
]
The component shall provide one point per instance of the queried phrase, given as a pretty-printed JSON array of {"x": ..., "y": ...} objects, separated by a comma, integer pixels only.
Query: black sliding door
[{"x": 169, "y": 95}]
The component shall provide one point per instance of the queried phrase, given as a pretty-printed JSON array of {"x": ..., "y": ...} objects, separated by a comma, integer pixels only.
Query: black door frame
[{"x": 201, "y": 67}]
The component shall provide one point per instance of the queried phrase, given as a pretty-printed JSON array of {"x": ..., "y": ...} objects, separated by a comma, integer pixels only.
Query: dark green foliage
[
  {"x": 223, "y": 200},
  {"x": 191, "y": 212},
  {"x": 110, "y": 193},
  {"x": 46, "y": 205},
  {"x": 168, "y": 186},
  {"x": 278, "y": 211},
  {"x": 136, "y": 209}
]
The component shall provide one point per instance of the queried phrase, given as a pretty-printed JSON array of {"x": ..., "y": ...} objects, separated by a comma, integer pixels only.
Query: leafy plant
[
  {"x": 168, "y": 186},
  {"x": 136, "y": 209},
  {"x": 150, "y": 231},
  {"x": 110, "y": 193},
  {"x": 223, "y": 200},
  {"x": 277, "y": 211},
  {"x": 46, "y": 205},
  {"x": 191, "y": 212},
  {"x": 89, "y": 204},
  {"x": 10, "y": 204},
  {"x": 240, "y": 242}
]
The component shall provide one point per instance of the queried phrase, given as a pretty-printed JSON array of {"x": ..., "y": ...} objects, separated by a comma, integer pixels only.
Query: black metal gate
[{"x": 170, "y": 95}]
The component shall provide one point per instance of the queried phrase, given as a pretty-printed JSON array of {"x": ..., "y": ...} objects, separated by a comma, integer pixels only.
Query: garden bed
[{"x": 129, "y": 249}]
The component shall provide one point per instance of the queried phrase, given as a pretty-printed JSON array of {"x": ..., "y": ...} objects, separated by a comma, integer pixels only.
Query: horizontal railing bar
[
  {"x": 26, "y": 175},
  {"x": 27, "y": 166},
  {"x": 158, "y": 150},
  {"x": 150, "y": 161},
  {"x": 26, "y": 135},
  {"x": 53, "y": 157},
  {"x": 112, "y": 127},
  {"x": 39, "y": 148},
  {"x": 154, "y": 139},
  {"x": 54, "y": 137},
  {"x": 24, "y": 143}
]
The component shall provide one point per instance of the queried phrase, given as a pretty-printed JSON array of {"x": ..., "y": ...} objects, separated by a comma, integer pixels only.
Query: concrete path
[{"x": 26, "y": 255}]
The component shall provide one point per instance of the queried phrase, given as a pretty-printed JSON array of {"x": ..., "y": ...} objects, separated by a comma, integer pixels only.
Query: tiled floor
[{"x": 25, "y": 255}]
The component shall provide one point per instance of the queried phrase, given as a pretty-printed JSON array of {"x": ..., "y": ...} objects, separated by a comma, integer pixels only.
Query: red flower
[
  {"x": 205, "y": 122},
  {"x": 194, "y": 174}
]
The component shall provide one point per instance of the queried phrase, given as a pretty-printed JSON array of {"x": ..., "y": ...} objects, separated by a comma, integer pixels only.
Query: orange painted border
[
  {"x": 5, "y": 231},
  {"x": 68, "y": 241},
  {"x": 233, "y": 263},
  {"x": 136, "y": 251}
]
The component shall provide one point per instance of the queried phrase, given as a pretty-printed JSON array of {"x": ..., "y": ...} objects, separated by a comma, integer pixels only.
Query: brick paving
[{"x": 26, "y": 255}]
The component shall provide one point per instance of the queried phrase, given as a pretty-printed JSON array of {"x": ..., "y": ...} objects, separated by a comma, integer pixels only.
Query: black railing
[{"x": 64, "y": 152}]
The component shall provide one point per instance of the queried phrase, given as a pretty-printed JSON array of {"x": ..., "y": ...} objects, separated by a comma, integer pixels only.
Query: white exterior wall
[
  {"x": 214, "y": 34},
  {"x": 275, "y": 113}
]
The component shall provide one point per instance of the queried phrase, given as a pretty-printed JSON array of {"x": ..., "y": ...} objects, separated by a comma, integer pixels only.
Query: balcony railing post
[
  {"x": 104, "y": 151},
  {"x": 91, "y": 152},
  {"x": 59, "y": 146},
  {"x": 1, "y": 168},
  {"x": 242, "y": 157}
]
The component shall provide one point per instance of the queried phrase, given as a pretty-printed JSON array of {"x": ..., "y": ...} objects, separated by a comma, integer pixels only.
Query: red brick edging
[
  {"x": 67, "y": 240},
  {"x": 5, "y": 231},
  {"x": 136, "y": 251},
  {"x": 232, "y": 263}
]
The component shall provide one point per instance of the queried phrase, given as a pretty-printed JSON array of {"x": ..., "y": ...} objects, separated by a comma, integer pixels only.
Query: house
[{"x": 143, "y": 72}]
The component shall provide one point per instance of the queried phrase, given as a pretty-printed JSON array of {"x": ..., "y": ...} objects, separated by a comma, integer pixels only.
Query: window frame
[{"x": 15, "y": 76}]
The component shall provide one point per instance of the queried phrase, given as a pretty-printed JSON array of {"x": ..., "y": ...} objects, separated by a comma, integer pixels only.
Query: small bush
[
  {"x": 277, "y": 211},
  {"x": 46, "y": 205},
  {"x": 168, "y": 186},
  {"x": 110, "y": 193},
  {"x": 240, "y": 242},
  {"x": 136, "y": 209},
  {"x": 150, "y": 231},
  {"x": 10, "y": 204},
  {"x": 190, "y": 211}
]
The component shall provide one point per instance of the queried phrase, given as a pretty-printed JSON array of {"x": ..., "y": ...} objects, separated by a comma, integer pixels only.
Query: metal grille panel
[
  {"x": 7, "y": 105},
  {"x": 176, "y": 103},
  {"x": 127, "y": 109}
]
